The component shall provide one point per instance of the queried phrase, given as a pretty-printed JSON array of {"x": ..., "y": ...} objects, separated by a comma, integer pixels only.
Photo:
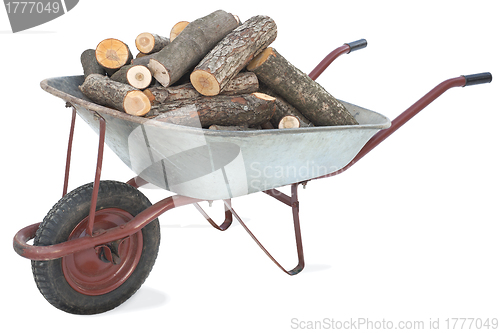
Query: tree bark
[
  {"x": 143, "y": 59},
  {"x": 177, "y": 29},
  {"x": 298, "y": 89},
  {"x": 189, "y": 47},
  {"x": 244, "y": 110},
  {"x": 243, "y": 83},
  {"x": 104, "y": 91},
  {"x": 283, "y": 108},
  {"x": 90, "y": 64},
  {"x": 232, "y": 54},
  {"x": 147, "y": 42},
  {"x": 112, "y": 54},
  {"x": 138, "y": 76}
]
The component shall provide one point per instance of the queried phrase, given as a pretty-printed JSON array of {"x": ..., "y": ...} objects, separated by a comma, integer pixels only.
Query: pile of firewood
[{"x": 215, "y": 72}]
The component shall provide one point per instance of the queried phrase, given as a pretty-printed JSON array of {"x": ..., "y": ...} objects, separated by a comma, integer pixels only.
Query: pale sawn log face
[
  {"x": 289, "y": 122},
  {"x": 177, "y": 29},
  {"x": 190, "y": 46},
  {"x": 112, "y": 54},
  {"x": 147, "y": 42},
  {"x": 297, "y": 88},
  {"x": 123, "y": 97},
  {"x": 138, "y": 76},
  {"x": 232, "y": 54},
  {"x": 243, "y": 110}
]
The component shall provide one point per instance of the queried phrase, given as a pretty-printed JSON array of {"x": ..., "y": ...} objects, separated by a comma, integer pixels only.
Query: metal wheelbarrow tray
[{"x": 197, "y": 164}]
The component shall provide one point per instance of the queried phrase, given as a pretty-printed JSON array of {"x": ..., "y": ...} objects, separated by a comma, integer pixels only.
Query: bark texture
[
  {"x": 190, "y": 46},
  {"x": 123, "y": 97},
  {"x": 298, "y": 89},
  {"x": 90, "y": 64},
  {"x": 232, "y": 54},
  {"x": 142, "y": 59},
  {"x": 147, "y": 42},
  {"x": 244, "y": 110},
  {"x": 243, "y": 83},
  {"x": 283, "y": 108}
]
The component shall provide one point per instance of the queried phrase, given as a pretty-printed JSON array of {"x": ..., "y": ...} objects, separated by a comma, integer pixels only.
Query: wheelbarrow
[{"x": 97, "y": 245}]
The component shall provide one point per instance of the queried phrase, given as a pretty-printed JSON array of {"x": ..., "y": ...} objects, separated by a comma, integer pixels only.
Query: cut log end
[
  {"x": 136, "y": 103},
  {"x": 149, "y": 94},
  {"x": 177, "y": 29},
  {"x": 145, "y": 42},
  {"x": 289, "y": 122},
  {"x": 159, "y": 72},
  {"x": 112, "y": 53},
  {"x": 205, "y": 83},
  {"x": 264, "y": 97},
  {"x": 139, "y": 77},
  {"x": 260, "y": 58}
]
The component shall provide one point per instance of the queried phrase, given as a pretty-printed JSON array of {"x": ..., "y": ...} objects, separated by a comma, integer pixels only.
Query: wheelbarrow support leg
[
  {"x": 97, "y": 179},
  {"x": 228, "y": 215},
  {"x": 68, "y": 154},
  {"x": 294, "y": 203}
]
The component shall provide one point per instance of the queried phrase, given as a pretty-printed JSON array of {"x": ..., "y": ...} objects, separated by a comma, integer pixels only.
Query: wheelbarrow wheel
[{"x": 93, "y": 281}]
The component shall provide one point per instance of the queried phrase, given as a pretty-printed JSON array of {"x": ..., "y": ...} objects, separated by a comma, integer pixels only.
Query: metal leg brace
[{"x": 290, "y": 201}]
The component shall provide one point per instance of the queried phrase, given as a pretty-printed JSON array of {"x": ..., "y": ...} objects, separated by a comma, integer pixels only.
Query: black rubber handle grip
[
  {"x": 480, "y": 78},
  {"x": 357, "y": 45}
]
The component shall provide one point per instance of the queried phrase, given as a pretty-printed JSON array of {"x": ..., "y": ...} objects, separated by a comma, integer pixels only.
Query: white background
[{"x": 411, "y": 232}]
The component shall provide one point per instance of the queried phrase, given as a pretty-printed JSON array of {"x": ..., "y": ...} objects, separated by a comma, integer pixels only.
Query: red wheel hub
[{"x": 86, "y": 272}]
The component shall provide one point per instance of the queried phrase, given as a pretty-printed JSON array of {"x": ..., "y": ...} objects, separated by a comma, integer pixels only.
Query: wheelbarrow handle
[
  {"x": 357, "y": 45},
  {"x": 346, "y": 48},
  {"x": 479, "y": 78},
  {"x": 403, "y": 118}
]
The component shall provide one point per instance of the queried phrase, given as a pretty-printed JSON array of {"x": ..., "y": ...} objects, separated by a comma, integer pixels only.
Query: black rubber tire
[{"x": 58, "y": 225}]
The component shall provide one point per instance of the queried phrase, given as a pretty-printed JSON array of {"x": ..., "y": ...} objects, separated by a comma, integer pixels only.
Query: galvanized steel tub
[{"x": 210, "y": 164}]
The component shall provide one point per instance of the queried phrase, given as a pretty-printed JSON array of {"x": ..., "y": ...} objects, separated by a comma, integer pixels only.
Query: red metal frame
[
  {"x": 69, "y": 247},
  {"x": 97, "y": 179},
  {"x": 320, "y": 68},
  {"x": 151, "y": 213},
  {"x": 68, "y": 154}
]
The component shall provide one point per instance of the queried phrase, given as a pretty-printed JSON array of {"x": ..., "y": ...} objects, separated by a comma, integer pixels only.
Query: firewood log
[
  {"x": 147, "y": 42},
  {"x": 123, "y": 97},
  {"x": 143, "y": 59},
  {"x": 289, "y": 122},
  {"x": 243, "y": 110},
  {"x": 232, "y": 54},
  {"x": 283, "y": 108},
  {"x": 138, "y": 76},
  {"x": 189, "y": 47},
  {"x": 177, "y": 29},
  {"x": 298, "y": 89},
  {"x": 112, "y": 54},
  {"x": 90, "y": 64},
  {"x": 243, "y": 83}
]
